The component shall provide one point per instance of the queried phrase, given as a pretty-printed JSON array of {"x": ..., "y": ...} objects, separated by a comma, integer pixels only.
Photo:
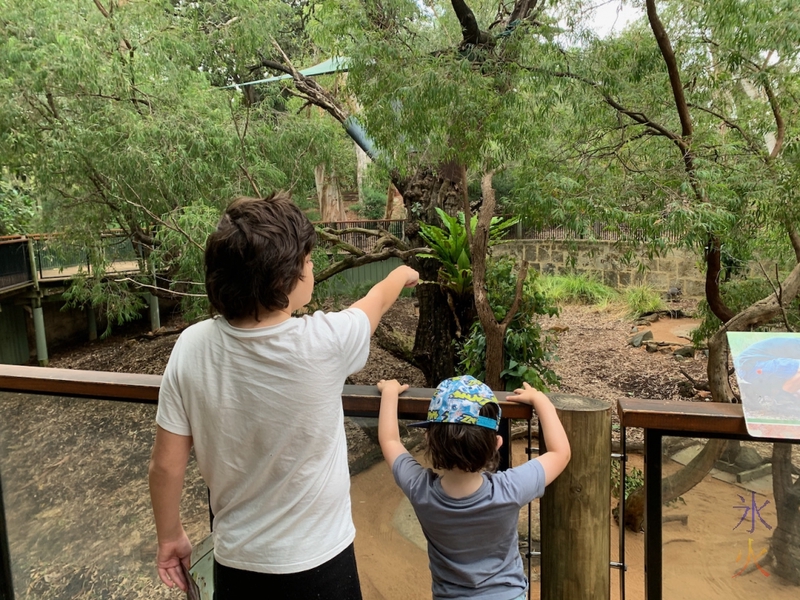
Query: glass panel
[
  {"x": 722, "y": 537},
  {"x": 77, "y": 505}
]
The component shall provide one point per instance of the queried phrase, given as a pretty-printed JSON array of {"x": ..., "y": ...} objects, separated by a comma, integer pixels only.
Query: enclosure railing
[
  {"x": 81, "y": 386},
  {"x": 15, "y": 263},
  {"x": 52, "y": 258},
  {"x": 354, "y": 231},
  {"x": 716, "y": 529}
]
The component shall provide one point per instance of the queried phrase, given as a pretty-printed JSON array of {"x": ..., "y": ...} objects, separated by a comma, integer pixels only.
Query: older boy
[{"x": 257, "y": 392}]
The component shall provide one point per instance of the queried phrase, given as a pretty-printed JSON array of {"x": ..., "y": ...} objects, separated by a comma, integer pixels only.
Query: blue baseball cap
[{"x": 459, "y": 400}]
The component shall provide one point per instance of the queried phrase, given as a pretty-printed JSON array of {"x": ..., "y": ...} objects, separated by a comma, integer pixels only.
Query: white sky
[{"x": 612, "y": 15}]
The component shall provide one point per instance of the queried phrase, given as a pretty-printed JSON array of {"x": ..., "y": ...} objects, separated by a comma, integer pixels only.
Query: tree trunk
[
  {"x": 362, "y": 161},
  {"x": 682, "y": 481},
  {"x": 442, "y": 321},
  {"x": 786, "y": 537},
  {"x": 331, "y": 207}
]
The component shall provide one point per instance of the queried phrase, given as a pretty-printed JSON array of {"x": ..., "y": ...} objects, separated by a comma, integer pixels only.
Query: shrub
[
  {"x": 634, "y": 479},
  {"x": 526, "y": 351}
]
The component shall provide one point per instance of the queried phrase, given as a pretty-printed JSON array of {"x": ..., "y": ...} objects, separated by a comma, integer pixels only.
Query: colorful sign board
[{"x": 767, "y": 367}]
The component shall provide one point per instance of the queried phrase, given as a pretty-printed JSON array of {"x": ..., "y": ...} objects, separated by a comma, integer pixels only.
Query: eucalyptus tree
[
  {"x": 110, "y": 110},
  {"x": 686, "y": 127},
  {"x": 442, "y": 97}
]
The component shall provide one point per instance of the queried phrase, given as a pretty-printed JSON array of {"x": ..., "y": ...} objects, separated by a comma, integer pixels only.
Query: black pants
[{"x": 336, "y": 579}]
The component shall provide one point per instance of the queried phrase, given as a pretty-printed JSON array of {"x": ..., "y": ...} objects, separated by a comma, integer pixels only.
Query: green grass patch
[
  {"x": 643, "y": 300},
  {"x": 576, "y": 289}
]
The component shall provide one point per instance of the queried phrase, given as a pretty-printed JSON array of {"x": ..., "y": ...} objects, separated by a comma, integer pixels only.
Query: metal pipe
[{"x": 41, "y": 337}]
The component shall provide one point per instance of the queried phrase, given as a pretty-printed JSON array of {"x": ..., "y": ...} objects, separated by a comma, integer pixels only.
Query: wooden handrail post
[{"x": 575, "y": 511}]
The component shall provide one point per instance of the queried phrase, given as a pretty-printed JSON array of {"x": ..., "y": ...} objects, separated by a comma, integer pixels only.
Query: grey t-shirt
[{"x": 472, "y": 541}]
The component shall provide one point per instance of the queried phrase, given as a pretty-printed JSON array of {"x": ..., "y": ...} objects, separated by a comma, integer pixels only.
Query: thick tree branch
[
  {"x": 522, "y": 10},
  {"x": 470, "y": 31},
  {"x": 668, "y": 54},
  {"x": 794, "y": 238},
  {"x": 672, "y": 68},
  {"x": 356, "y": 261},
  {"x": 781, "y": 126},
  {"x": 307, "y": 88},
  {"x": 713, "y": 269}
]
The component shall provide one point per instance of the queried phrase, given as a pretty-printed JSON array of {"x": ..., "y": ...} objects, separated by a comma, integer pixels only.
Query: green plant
[
  {"x": 527, "y": 352},
  {"x": 449, "y": 245},
  {"x": 373, "y": 205},
  {"x": 576, "y": 289},
  {"x": 642, "y": 300},
  {"x": 634, "y": 479}
]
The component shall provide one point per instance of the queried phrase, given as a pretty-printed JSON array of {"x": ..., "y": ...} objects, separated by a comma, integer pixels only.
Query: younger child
[{"x": 469, "y": 515}]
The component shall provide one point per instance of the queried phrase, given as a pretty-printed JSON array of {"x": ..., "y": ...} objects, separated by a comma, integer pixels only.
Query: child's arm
[
  {"x": 558, "y": 452},
  {"x": 384, "y": 293},
  {"x": 388, "y": 430},
  {"x": 167, "y": 469}
]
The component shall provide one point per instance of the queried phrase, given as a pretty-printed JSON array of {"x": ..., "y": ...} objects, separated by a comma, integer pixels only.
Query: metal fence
[
  {"x": 356, "y": 233},
  {"x": 56, "y": 259},
  {"x": 15, "y": 264},
  {"x": 596, "y": 231}
]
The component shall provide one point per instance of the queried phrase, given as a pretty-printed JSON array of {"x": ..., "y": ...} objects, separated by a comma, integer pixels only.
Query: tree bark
[
  {"x": 494, "y": 330},
  {"x": 786, "y": 537},
  {"x": 440, "y": 324},
  {"x": 713, "y": 270},
  {"x": 331, "y": 207}
]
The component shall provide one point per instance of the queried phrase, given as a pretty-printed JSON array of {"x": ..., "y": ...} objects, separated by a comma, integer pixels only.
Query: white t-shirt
[{"x": 264, "y": 409}]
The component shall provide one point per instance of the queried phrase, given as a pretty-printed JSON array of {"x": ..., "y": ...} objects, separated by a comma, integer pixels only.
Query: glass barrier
[
  {"x": 76, "y": 499},
  {"x": 79, "y": 521},
  {"x": 730, "y": 536}
]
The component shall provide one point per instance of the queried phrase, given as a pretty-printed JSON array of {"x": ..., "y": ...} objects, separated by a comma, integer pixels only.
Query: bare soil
[{"x": 75, "y": 470}]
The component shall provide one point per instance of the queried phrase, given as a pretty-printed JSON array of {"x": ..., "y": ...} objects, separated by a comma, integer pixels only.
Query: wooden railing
[
  {"x": 661, "y": 419},
  {"x": 362, "y": 401},
  {"x": 357, "y": 400}
]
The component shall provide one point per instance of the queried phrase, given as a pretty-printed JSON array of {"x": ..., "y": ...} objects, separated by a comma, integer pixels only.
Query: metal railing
[
  {"x": 15, "y": 264},
  {"x": 691, "y": 423},
  {"x": 354, "y": 234}
]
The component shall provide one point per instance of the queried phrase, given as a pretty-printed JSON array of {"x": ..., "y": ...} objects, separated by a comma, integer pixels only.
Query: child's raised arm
[
  {"x": 558, "y": 453},
  {"x": 388, "y": 430},
  {"x": 384, "y": 293}
]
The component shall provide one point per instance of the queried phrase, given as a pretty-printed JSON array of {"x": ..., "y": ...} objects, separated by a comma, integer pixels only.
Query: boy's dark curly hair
[
  {"x": 256, "y": 255},
  {"x": 467, "y": 447}
]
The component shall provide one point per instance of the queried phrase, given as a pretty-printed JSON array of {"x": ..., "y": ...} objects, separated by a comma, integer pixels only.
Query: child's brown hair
[
  {"x": 256, "y": 255},
  {"x": 466, "y": 447}
]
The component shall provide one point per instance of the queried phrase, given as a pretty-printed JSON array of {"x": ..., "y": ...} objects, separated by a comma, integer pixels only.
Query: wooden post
[{"x": 576, "y": 507}]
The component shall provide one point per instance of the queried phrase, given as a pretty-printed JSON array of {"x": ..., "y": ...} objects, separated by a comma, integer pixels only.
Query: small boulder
[
  {"x": 641, "y": 337},
  {"x": 685, "y": 351},
  {"x": 651, "y": 347},
  {"x": 748, "y": 458}
]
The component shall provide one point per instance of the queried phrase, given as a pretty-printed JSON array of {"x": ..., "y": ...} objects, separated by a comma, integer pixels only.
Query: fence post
[
  {"x": 575, "y": 509},
  {"x": 6, "y": 589}
]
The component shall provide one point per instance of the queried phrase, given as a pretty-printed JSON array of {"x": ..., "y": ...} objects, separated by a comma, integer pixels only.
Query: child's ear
[{"x": 499, "y": 442}]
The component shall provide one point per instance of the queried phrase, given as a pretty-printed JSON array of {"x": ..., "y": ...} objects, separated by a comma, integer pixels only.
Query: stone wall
[{"x": 677, "y": 268}]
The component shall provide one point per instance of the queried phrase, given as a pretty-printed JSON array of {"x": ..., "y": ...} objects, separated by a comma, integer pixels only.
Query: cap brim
[{"x": 423, "y": 424}]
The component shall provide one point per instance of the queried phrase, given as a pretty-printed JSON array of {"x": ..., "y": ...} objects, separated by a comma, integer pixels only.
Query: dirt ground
[{"x": 74, "y": 469}]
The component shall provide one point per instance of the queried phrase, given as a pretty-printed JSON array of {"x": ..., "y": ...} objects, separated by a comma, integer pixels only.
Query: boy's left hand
[{"x": 391, "y": 385}]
